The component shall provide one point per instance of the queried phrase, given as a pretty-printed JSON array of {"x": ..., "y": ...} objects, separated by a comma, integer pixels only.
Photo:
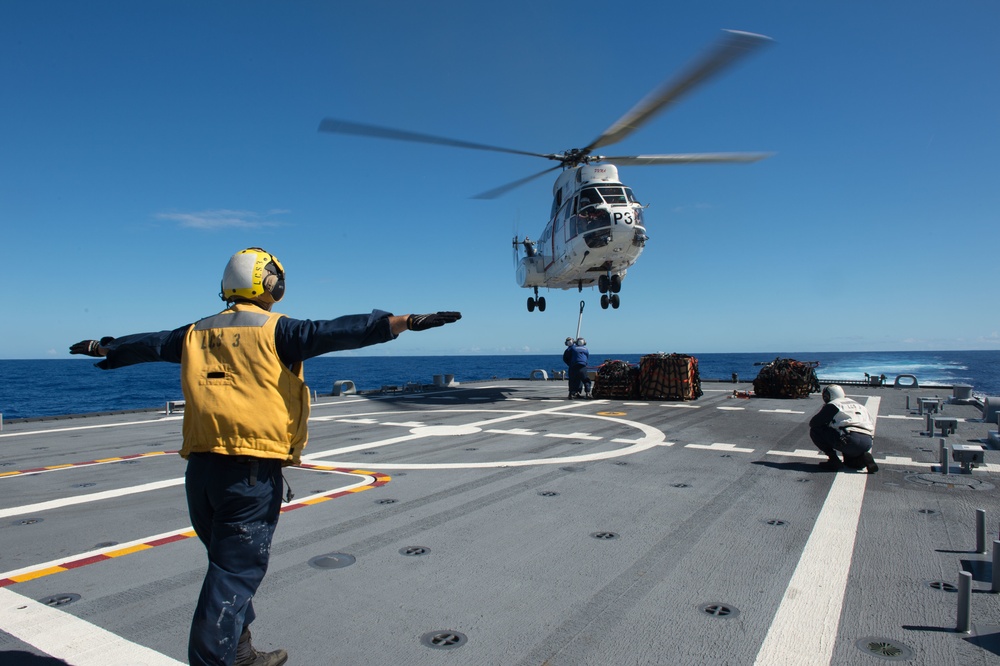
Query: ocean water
[{"x": 33, "y": 389}]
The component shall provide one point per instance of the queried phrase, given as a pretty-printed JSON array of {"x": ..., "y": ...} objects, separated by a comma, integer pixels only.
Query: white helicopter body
[
  {"x": 595, "y": 230},
  {"x": 595, "y": 234}
]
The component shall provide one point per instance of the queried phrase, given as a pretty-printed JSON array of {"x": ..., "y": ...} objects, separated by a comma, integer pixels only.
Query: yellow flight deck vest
[{"x": 240, "y": 399}]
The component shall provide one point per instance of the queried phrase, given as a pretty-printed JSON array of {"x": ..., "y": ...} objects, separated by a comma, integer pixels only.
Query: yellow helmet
[{"x": 253, "y": 275}]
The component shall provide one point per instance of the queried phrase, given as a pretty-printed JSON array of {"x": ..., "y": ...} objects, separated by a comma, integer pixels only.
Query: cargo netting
[
  {"x": 617, "y": 379},
  {"x": 669, "y": 377},
  {"x": 786, "y": 378}
]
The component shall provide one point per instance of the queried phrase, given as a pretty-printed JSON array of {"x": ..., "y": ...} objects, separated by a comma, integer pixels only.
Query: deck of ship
[{"x": 499, "y": 523}]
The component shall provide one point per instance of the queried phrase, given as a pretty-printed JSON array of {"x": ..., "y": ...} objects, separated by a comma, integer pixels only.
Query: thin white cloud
[{"x": 224, "y": 219}]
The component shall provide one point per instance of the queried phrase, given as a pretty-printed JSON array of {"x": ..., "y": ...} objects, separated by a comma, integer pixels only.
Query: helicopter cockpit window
[
  {"x": 614, "y": 195},
  {"x": 631, "y": 197},
  {"x": 588, "y": 217},
  {"x": 595, "y": 225},
  {"x": 589, "y": 197},
  {"x": 556, "y": 203}
]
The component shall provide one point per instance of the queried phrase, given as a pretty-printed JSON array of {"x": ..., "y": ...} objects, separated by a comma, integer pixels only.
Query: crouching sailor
[{"x": 845, "y": 426}]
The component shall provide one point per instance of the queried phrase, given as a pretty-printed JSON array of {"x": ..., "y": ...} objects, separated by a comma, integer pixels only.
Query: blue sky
[{"x": 143, "y": 143}]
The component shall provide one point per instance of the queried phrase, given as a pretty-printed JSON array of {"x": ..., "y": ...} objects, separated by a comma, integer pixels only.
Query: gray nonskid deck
[{"x": 528, "y": 528}]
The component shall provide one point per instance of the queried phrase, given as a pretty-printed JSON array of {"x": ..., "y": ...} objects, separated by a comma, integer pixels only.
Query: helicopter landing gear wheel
[
  {"x": 604, "y": 301},
  {"x": 616, "y": 283},
  {"x": 536, "y": 300},
  {"x": 615, "y": 301},
  {"x": 603, "y": 284}
]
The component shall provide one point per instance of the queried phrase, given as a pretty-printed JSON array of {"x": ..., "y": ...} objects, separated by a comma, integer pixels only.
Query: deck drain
[
  {"x": 548, "y": 493},
  {"x": 885, "y": 648},
  {"x": 472, "y": 449},
  {"x": 27, "y": 521},
  {"x": 386, "y": 501},
  {"x": 84, "y": 485},
  {"x": 604, "y": 535},
  {"x": 368, "y": 453},
  {"x": 60, "y": 599},
  {"x": 942, "y": 585},
  {"x": 719, "y": 610},
  {"x": 571, "y": 469},
  {"x": 680, "y": 485},
  {"x": 444, "y": 640},
  {"x": 803, "y": 480},
  {"x": 775, "y": 522},
  {"x": 726, "y": 455},
  {"x": 105, "y": 544},
  {"x": 413, "y": 551},
  {"x": 929, "y": 512},
  {"x": 332, "y": 561},
  {"x": 621, "y": 463}
]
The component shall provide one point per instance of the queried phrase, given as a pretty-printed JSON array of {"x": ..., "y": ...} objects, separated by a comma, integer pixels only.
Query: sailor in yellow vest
[
  {"x": 245, "y": 413},
  {"x": 846, "y": 426}
]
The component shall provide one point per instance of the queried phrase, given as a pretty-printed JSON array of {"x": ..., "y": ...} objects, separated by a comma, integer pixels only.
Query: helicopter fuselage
[{"x": 596, "y": 229}]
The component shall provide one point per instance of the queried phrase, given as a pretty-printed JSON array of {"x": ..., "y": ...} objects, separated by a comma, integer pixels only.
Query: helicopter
[{"x": 596, "y": 229}]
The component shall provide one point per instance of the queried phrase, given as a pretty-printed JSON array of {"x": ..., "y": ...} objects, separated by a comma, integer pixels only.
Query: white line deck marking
[
  {"x": 732, "y": 409},
  {"x": 574, "y": 435},
  {"x": 92, "y": 427},
  {"x": 780, "y": 411},
  {"x": 122, "y": 492},
  {"x": 799, "y": 453},
  {"x": 92, "y": 497},
  {"x": 682, "y": 405},
  {"x": 67, "y": 637},
  {"x": 719, "y": 446},
  {"x": 804, "y": 630}
]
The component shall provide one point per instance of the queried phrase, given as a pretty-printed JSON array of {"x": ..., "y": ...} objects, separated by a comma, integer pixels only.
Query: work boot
[
  {"x": 870, "y": 463},
  {"x": 833, "y": 464},
  {"x": 248, "y": 655}
]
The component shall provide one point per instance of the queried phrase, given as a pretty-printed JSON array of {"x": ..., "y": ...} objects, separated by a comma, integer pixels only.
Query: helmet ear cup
[{"x": 274, "y": 282}]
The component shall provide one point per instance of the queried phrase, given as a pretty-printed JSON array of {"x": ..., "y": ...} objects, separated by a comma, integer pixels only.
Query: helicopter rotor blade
[
  {"x": 690, "y": 158},
  {"x": 733, "y": 46},
  {"x": 335, "y": 126},
  {"x": 503, "y": 189}
]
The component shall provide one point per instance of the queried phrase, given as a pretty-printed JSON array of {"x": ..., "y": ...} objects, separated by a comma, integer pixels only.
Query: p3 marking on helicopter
[{"x": 596, "y": 230}]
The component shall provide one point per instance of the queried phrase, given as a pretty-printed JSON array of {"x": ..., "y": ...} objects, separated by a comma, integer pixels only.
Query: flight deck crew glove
[
  {"x": 91, "y": 347},
  {"x": 422, "y": 322}
]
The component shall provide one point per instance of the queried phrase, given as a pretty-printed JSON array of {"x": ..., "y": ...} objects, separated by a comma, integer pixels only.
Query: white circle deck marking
[{"x": 651, "y": 437}]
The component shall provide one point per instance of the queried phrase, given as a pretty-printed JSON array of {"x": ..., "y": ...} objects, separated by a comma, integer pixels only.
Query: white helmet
[
  {"x": 833, "y": 392},
  {"x": 253, "y": 275},
  {"x": 581, "y": 342},
  {"x": 569, "y": 342}
]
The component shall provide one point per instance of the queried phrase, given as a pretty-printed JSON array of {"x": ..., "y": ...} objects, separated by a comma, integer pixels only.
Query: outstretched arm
[{"x": 136, "y": 348}]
